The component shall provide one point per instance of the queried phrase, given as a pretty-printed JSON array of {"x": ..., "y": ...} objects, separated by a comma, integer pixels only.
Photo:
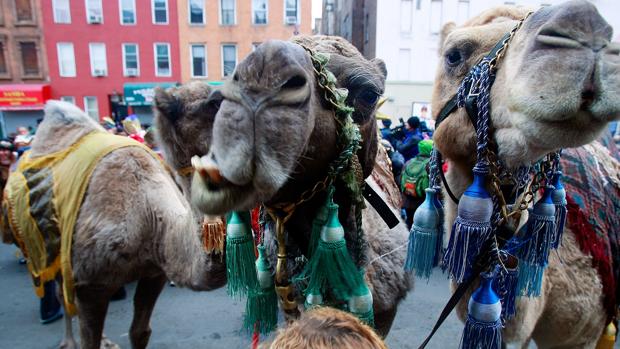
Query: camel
[
  {"x": 556, "y": 87},
  {"x": 134, "y": 224},
  {"x": 274, "y": 137}
]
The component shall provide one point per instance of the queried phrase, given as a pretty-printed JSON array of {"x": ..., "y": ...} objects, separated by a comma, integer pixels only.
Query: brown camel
[
  {"x": 274, "y": 137},
  {"x": 133, "y": 224},
  {"x": 556, "y": 87}
]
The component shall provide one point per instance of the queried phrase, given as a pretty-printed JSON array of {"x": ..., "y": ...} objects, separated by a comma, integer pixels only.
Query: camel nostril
[
  {"x": 295, "y": 82},
  {"x": 552, "y": 36}
]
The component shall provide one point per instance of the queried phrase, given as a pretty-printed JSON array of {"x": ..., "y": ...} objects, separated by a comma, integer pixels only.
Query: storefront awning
[
  {"x": 24, "y": 96},
  {"x": 141, "y": 94}
]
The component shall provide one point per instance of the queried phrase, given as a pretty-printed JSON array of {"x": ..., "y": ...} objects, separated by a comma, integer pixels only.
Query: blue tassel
[
  {"x": 471, "y": 229},
  {"x": 483, "y": 328},
  {"x": 506, "y": 285},
  {"x": 559, "y": 200},
  {"x": 537, "y": 242},
  {"x": 424, "y": 237}
]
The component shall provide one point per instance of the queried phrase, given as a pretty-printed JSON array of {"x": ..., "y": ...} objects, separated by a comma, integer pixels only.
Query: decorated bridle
[{"x": 486, "y": 240}]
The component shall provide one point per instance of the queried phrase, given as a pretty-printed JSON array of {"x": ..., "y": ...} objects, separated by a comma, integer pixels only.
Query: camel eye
[
  {"x": 295, "y": 82},
  {"x": 454, "y": 57},
  {"x": 368, "y": 97}
]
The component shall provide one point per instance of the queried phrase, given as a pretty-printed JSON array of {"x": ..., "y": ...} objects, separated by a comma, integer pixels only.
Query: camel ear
[
  {"x": 447, "y": 29},
  {"x": 168, "y": 104},
  {"x": 381, "y": 65}
]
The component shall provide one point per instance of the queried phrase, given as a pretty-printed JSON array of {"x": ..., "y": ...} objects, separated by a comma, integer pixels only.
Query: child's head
[{"x": 327, "y": 328}]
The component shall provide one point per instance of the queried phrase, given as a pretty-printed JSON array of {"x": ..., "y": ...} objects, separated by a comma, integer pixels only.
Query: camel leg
[
  {"x": 384, "y": 320},
  {"x": 147, "y": 291},
  {"x": 68, "y": 342},
  {"x": 93, "y": 305}
]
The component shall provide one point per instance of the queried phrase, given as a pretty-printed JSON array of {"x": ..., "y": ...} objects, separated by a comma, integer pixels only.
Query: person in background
[
  {"x": 408, "y": 147},
  {"x": 386, "y": 131},
  {"x": 132, "y": 127},
  {"x": 414, "y": 180},
  {"x": 109, "y": 124},
  {"x": 23, "y": 139}
]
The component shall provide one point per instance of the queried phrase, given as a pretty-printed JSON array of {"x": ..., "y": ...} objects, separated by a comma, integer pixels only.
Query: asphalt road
[{"x": 186, "y": 319}]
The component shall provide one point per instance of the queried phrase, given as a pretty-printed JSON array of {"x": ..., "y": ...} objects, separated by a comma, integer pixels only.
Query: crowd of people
[{"x": 409, "y": 147}]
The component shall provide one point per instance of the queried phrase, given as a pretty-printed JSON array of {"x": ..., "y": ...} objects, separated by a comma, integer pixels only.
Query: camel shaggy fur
[
  {"x": 274, "y": 137},
  {"x": 556, "y": 87},
  {"x": 133, "y": 224}
]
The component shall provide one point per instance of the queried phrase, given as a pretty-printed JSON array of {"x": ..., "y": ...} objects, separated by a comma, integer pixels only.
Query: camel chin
[{"x": 220, "y": 200}]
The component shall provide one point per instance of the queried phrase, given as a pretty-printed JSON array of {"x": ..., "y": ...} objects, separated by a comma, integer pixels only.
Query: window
[
  {"x": 98, "y": 62},
  {"x": 94, "y": 11},
  {"x": 128, "y": 11},
  {"x": 196, "y": 11},
  {"x": 68, "y": 99},
  {"x": 291, "y": 11},
  {"x": 23, "y": 11},
  {"x": 259, "y": 11},
  {"x": 4, "y": 69},
  {"x": 66, "y": 59},
  {"x": 227, "y": 12},
  {"x": 229, "y": 59},
  {"x": 436, "y": 8},
  {"x": 160, "y": 11},
  {"x": 91, "y": 108},
  {"x": 404, "y": 62},
  {"x": 199, "y": 60},
  {"x": 462, "y": 11},
  {"x": 366, "y": 29},
  {"x": 162, "y": 60},
  {"x": 30, "y": 59},
  {"x": 130, "y": 60},
  {"x": 406, "y": 13},
  {"x": 62, "y": 12}
]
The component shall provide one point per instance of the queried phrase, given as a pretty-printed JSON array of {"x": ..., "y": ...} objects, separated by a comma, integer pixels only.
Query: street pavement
[{"x": 187, "y": 319}]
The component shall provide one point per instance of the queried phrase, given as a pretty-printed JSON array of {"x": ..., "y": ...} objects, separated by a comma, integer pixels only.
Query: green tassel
[
  {"x": 313, "y": 299},
  {"x": 317, "y": 226},
  {"x": 331, "y": 268},
  {"x": 261, "y": 309},
  {"x": 240, "y": 269},
  {"x": 360, "y": 304}
]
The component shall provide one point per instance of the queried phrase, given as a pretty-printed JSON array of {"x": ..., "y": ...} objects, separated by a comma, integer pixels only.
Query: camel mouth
[{"x": 213, "y": 193}]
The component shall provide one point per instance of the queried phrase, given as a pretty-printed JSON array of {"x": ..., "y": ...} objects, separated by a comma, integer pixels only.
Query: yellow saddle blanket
[{"x": 42, "y": 200}]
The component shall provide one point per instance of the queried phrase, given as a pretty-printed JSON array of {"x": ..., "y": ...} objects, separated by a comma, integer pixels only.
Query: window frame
[
  {"x": 37, "y": 49},
  {"x": 266, "y": 13},
  {"x": 5, "y": 52},
  {"x": 430, "y": 18},
  {"x": 298, "y": 11},
  {"x": 167, "y": 13},
  {"x": 120, "y": 12},
  {"x": 87, "y": 8},
  {"x": 60, "y": 73},
  {"x": 155, "y": 44},
  {"x": 68, "y": 99},
  {"x": 124, "y": 58},
  {"x": 90, "y": 58},
  {"x": 189, "y": 13},
  {"x": 191, "y": 61},
  {"x": 86, "y": 109},
  {"x": 31, "y": 22},
  {"x": 54, "y": 7},
  {"x": 234, "y": 13},
  {"x": 222, "y": 58}
]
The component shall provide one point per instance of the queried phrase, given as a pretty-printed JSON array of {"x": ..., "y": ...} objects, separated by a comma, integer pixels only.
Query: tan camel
[
  {"x": 134, "y": 224},
  {"x": 274, "y": 137},
  {"x": 556, "y": 87}
]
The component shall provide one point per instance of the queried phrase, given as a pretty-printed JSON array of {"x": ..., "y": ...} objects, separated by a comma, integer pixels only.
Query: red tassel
[{"x": 255, "y": 337}]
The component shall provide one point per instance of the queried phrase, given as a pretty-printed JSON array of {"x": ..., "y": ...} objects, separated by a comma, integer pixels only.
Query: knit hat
[{"x": 425, "y": 147}]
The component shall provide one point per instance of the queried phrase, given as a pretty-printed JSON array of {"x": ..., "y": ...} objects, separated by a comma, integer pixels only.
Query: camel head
[
  {"x": 274, "y": 134},
  {"x": 182, "y": 115},
  {"x": 557, "y": 85}
]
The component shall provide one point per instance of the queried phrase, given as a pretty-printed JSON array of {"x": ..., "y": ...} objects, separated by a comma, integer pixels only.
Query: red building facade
[{"x": 105, "y": 55}]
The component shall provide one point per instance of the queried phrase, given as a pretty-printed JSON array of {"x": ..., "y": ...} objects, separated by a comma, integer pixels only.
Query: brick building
[
  {"x": 24, "y": 84},
  {"x": 216, "y": 34},
  {"x": 107, "y": 56}
]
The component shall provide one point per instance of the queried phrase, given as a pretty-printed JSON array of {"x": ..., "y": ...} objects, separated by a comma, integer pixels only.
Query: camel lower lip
[{"x": 221, "y": 199}]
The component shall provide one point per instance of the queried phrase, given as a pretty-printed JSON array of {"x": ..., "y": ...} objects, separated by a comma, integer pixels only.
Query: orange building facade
[{"x": 214, "y": 35}]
